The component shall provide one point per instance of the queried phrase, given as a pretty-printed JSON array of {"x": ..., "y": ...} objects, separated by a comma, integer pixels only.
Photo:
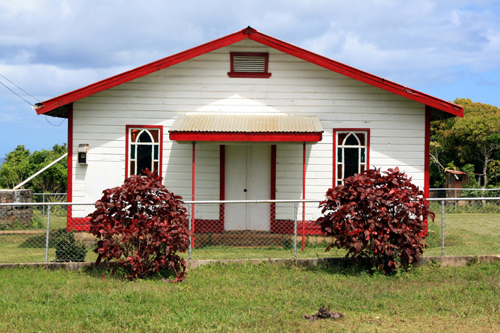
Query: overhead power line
[
  {"x": 27, "y": 93},
  {"x": 12, "y": 91},
  {"x": 3, "y": 84}
]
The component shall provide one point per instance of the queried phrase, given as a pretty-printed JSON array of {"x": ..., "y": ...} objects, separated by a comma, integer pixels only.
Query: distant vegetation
[
  {"x": 470, "y": 144},
  {"x": 20, "y": 164}
]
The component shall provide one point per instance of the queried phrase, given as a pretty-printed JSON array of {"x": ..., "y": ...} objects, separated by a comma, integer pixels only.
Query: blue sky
[{"x": 449, "y": 48}]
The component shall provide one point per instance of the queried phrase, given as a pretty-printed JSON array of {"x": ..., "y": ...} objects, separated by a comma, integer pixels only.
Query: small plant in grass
[
  {"x": 142, "y": 226},
  {"x": 287, "y": 244},
  {"x": 378, "y": 217},
  {"x": 37, "y": 222},
  {"x": 68, "y": 249}
]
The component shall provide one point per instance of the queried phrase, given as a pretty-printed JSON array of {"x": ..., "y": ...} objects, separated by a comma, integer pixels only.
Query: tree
[
  {"x": 21, "y": 164},
  {"x": 15, "y": 168},
  {"x": 474, "y": 139}
]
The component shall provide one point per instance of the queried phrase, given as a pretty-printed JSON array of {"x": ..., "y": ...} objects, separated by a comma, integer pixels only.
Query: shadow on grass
[
  {"x": 113, "y": 271},
  {"x": 38, "y": 241}
]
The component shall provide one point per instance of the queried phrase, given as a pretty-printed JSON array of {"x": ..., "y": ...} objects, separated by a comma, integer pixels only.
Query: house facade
[{"x": 246, "y": 116}]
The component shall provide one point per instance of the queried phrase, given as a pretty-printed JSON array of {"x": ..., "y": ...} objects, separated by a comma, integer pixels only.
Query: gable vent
[
  {"x": 249, "y": 64},
  {"x": 252, "y": 65}
]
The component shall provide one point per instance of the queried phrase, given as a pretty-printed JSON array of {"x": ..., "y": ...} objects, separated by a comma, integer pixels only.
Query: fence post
[
  {"x": 190, "y": 237},
  {"x": 295, "y": 211},
  {"x": 47, "y": 235},
  {"x": 43, "y": 201},
  {"x": 442, "y": 227}
]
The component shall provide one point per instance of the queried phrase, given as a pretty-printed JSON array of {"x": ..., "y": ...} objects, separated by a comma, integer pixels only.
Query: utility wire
[
  {"x": 47, "y": 118},
  {"x": 15, "y": 93},
  {"x": 20, "y": 88}
]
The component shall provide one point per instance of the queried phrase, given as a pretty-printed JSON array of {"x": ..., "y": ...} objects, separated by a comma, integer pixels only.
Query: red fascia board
[
  {"x": 130, "y": 75},
  {"x": 277, "y": 44},
  {"x": 246, "y": 136},
  {"x": 357, "y": 74}
]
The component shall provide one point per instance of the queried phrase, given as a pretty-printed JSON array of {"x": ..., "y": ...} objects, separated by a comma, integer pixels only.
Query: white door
[{"x": 248, "y": 177}]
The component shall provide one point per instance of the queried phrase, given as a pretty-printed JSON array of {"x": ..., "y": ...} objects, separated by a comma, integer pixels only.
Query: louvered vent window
[{"x": 253, "y": 65}]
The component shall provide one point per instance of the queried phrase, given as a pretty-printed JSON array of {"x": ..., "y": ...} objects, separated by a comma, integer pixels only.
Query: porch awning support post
[
  {"x": 193, "y": 190},
  {"x": 303, "y": 196}
]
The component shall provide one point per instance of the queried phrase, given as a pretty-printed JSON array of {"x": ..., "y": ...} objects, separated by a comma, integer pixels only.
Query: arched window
[
  {"x": 351, "y": 154},
  {"x": 144, "y": 150}
]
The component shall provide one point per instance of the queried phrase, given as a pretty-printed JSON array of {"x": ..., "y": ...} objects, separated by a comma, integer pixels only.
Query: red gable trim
[
  {"x": 357, "y": 74},
  {"x": 138, "y": 72},
  {"x": 253, "y": 34}
]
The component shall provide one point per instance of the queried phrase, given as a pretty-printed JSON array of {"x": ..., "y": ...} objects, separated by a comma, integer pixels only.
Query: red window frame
[
  {"x": 263, "y": 75},
  {"x": 335, "y": 145},
  {"x": 127, "y": 146}
]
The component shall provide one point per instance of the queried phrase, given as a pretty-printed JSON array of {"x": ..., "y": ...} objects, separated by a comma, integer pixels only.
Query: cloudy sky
[{"x": 446, "y": 48}]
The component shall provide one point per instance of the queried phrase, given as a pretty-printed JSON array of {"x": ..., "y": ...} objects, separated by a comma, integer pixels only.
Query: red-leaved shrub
[
  {"x": 142, "y": 226},
  {"x": 378, "y": 217}
]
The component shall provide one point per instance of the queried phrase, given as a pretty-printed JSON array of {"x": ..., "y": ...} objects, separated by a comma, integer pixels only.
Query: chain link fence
[
  {"x": 464, "y": 226},
  {"x": 464, "y": 193},
  {"x": 35, "y": 232}
]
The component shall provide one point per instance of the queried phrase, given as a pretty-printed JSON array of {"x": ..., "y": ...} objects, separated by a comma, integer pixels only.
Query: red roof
[
  {"x": 455, "y": 172},
  {"x": 52, "y": 104}
]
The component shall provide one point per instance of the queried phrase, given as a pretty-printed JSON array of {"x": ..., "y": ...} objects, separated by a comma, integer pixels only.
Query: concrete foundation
[{"x": 450, "y": 261}]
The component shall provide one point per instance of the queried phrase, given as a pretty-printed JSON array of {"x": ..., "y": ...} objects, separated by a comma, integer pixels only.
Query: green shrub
[{"x": 68, "y": 249}]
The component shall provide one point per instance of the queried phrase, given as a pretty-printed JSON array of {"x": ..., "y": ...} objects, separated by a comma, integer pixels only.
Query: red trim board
[
  {"x": 273, "y": 184},
  {"x": 222, "y": 184},
  {"x": 286, "y": 227},
  {"x": 69, "y": 211},
  {"x": 209, "y": 226},
  {"x": 252, "y": 34},
  {"x": 427, "y": 171},
  {"x": 247, "y": 136},
  {"x": 427, "y": 162},
  {"x": 193, "y": 188},
  {"x": 303, "y": 194}
]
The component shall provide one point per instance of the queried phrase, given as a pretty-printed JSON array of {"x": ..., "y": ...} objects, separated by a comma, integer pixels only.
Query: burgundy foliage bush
[
  {"x": 142, "y": 226},
  {"x": 378, "y": 217}
]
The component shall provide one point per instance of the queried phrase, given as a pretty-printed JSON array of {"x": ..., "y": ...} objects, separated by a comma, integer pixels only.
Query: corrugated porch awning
[{"x": 246, "y": 127}]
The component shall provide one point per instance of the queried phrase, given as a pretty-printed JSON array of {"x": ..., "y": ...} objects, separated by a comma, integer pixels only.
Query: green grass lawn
[
  {"x": 253, "y": 298},
  {"x": 465, "y": 234}
]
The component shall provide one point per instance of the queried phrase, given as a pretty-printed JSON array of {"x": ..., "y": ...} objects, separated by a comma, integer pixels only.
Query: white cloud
[{"x": 50, "y": 47}]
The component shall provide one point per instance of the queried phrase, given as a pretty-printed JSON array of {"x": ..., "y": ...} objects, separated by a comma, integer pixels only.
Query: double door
[{"x": 247, "y": 177}]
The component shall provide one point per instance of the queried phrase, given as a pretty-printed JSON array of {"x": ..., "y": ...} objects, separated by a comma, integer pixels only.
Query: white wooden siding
[{"x": 202, "y": 85}]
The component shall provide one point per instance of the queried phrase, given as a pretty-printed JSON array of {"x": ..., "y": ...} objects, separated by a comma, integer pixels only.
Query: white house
[{"x": 246, "y": 116}]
